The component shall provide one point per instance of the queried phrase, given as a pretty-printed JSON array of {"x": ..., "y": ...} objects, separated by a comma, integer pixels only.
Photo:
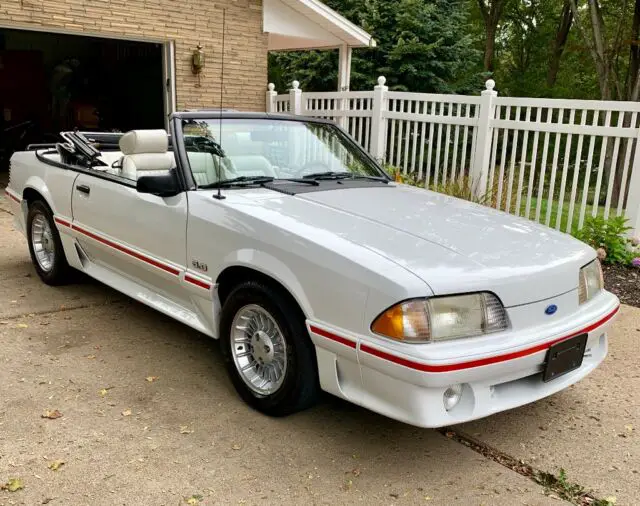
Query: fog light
[{"x": 452, "y": 396}]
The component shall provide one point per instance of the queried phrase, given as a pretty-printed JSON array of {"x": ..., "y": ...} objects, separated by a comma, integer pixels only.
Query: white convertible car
[{"x": 283, "y": 239}]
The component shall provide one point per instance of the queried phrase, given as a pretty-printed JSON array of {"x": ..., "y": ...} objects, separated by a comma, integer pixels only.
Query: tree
[
  {"x": 562, "y": 34},
  {"x": 422, "y": 46},
  {"x": 491, "y": 11}
]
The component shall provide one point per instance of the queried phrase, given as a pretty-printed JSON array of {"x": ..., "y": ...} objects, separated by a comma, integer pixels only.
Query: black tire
[
  {"x": 300, "y": 388},
  {"x": 60, "y": 272}
]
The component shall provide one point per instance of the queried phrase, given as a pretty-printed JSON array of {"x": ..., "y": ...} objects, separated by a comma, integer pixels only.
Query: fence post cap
[
  {"x": 295, "y": 84},
  {"x": 490, "y": 84},
  {"x": 381, "y": 80},
  {"x": 271, "y": 86}
]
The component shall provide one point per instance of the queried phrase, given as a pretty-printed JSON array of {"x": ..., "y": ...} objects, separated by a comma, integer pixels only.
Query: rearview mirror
[{"x": 162, "y": 185}]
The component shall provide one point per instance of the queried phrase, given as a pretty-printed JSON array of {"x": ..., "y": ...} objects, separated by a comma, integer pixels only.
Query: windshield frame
[{"x": 177, "y": 119}]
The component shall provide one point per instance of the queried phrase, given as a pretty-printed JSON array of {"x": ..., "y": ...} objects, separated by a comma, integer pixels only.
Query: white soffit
[{"x": 309, "y": 24}]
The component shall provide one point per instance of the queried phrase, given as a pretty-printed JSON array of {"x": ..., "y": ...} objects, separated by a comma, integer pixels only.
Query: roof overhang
[{"x": 309, "y": 24}]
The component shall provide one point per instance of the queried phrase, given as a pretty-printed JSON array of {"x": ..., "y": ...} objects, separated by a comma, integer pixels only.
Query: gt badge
[{"x": 199, "y": 265}]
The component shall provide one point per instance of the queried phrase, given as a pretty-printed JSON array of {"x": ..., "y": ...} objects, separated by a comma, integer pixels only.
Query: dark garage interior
[{"x": 52, "y": 82}]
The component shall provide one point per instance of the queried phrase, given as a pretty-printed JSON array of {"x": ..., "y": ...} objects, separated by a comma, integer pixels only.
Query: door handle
[{"x": 83, "y": 188}]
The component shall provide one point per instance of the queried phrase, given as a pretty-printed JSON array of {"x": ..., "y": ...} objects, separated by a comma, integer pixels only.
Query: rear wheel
[
  {"x": 267, "y": 350},
  {"x": 45, "y": 245}
]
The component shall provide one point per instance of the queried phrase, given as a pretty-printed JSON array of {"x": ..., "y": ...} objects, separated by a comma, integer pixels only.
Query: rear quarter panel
[{"x": 52, "y": 183}]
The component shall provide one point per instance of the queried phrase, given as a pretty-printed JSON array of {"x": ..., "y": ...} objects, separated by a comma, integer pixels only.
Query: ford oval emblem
[{"x": 551, "y": 309}]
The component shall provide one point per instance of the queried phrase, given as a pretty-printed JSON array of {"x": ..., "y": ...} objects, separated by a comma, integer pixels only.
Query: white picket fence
[{"x": 555, "y": 161}]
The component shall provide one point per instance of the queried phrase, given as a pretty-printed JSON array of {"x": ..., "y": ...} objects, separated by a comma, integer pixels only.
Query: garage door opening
[{"x": 52, "y": 82}]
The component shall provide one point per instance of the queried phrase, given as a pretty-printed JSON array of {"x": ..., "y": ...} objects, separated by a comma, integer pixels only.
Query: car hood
[{"x": 453, "y": 245}]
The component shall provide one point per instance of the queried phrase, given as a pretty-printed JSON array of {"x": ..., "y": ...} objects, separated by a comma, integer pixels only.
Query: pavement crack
[{"x": 558, "y": 485}]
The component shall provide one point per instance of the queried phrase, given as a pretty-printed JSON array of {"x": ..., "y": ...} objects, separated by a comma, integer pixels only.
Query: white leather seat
[
  {"x": 247, "y": 155},
  {"x": 252, "y": 165},
  {"x": 145, "y": 151}
]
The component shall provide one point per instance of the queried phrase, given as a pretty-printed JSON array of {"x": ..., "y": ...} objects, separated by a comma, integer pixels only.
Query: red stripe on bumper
[
  {"x": 483, "y": 361},
  {"x": 197, "y": 282},
  {"x": 134, "y": 254},
  {"x": 333, "y": 337}
]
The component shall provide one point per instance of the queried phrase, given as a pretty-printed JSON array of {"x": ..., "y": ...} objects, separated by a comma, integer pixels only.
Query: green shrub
[{"x": 610, "y": 235}]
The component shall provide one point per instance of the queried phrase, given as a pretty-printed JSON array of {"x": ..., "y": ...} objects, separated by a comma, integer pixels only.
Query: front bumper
[{"x": 407, "y": 382}]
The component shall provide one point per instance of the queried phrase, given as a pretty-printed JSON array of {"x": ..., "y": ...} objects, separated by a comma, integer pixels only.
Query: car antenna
[{"x": 219, "y": 196}]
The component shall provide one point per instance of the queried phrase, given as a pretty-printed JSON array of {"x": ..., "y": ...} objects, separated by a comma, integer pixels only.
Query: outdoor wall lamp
[{"x": 197, "y": 60}]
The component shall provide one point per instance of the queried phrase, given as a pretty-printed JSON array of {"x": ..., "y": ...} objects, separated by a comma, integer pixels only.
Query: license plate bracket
[{"x": 564, "y": 357}]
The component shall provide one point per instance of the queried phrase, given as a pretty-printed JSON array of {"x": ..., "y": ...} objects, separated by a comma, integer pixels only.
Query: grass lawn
[{"x": 564, "y": 218}]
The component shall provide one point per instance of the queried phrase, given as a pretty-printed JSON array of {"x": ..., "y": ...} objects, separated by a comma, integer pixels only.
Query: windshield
[{"x": 271, "y": 148}]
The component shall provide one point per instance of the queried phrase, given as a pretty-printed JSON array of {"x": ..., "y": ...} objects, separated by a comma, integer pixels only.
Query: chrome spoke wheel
[
  {"x": 259, "y": 349},
  {"x": 42, "y": 242}
]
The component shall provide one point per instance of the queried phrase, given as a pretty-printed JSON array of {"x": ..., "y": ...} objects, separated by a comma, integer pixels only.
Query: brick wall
[{"x": 187, "y": 22}]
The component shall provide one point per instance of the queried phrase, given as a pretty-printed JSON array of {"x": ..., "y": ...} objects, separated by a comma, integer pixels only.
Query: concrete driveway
[{"x": 149, "y": 418}]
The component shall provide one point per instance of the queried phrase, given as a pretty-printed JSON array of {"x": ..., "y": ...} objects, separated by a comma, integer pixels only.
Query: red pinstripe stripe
[
  {"x": 333, "y": 337},
  {"x": 197, "y": 282},
  {"x": 483, "y": 361},
  {"x": 365, "y": 348},
  {"x": 13, "y": 197},
  {"x": 130, "y": 252},
  {"x": 62, "y": 222}
]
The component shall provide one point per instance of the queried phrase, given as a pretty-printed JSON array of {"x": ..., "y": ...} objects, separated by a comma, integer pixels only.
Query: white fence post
[
  {"x": 481, "y": 159},
  {"x": 295, "y": 99},
  {"x": 271, "y": 98},
  {"x": 632, "y": 209},
  {"x": 378, "y": 135}
]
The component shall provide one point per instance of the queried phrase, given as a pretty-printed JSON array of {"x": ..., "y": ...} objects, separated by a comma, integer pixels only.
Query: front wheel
[
  {"x": 267, "y": 350},
  {"x": 45, "y": 245}
]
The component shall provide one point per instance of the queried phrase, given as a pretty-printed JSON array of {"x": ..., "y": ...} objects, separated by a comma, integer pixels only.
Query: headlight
[
  {"x": 591, "y": 281},
  {"x": 442, "y": 318}
]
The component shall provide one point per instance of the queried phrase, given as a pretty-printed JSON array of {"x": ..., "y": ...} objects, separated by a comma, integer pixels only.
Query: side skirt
[{"x": 141, "y": 293}]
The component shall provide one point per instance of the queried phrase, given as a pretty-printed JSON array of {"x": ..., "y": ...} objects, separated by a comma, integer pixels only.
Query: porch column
[{"x": 344, "y": 68}]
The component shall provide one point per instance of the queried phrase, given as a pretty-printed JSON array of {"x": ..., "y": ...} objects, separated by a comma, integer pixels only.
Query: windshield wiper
[
  {"x": 252, "y": 180},
  {"x": 239, "y": 181},
  {"x": 319, "y": 176}
]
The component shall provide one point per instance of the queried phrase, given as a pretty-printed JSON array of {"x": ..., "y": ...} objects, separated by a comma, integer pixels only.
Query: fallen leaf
[
  {"x": 194, "y": 499},
  {"x": 347, "y": 485},
  {"x": 91, "y": 357},
  {"x": 236, "y": 447},
  {"x": 151, "y": 379},
  {"x": 21, "y": 326},
  {"x": 105, "y": 391},
  {"x": 126, "y": 412},
  {"x": 611, "y": 499},
  {"x": 629, "y": 427},
  {"x": 51, "y": 415},
  {"x": 13, "y": 485},
  {"x": 356, "y": 472},
  {"x": 55, "y": 465},
  {"x": 184, "y": 429}
]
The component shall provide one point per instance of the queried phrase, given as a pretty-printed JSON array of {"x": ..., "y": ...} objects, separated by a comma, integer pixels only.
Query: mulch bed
[{"x": 624, "y": 282}]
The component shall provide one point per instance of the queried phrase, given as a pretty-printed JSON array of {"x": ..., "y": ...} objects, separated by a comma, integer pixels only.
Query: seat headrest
[{"x": 136, "y": 142}]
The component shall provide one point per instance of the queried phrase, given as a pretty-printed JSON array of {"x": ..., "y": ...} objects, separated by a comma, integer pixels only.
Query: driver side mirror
[{"x": 162, "y": 185}]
